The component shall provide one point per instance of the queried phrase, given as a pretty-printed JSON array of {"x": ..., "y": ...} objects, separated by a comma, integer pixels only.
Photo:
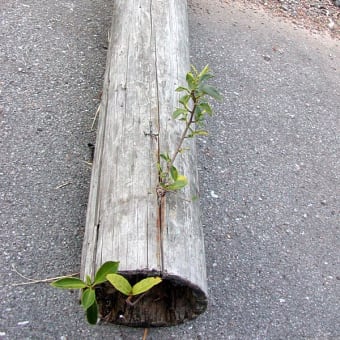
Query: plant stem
[
  {"x": 130, "y": 303},
  {"x": 184, "y": 134}
]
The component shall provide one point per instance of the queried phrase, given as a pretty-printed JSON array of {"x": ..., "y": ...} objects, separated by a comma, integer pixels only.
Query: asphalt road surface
[{"x": 269, "y": 171}]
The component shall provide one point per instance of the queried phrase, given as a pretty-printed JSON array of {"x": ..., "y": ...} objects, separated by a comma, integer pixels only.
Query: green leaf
[
  {"x": 194, "y": 70},
  {"x": 206, "y": 77},
  {"x": 109, "y": 267},
  {"x": 184, "y": 100},
  {"x": 88, "y": 298},
  {"x": 159, "y": 168},
  {"x": 191, "y": 80},
  {"x": 145, "y": 285},
  {"x": 198, "y": 110},
  {"x": 206, "y": 69},
  {"x": 199, "y": 115},
  {"x": 192, "y": 132},
  {"x": 180, "y": 183},
  {"x": 210, "y": 91},
  {"x": 173, "y": 173},
  {"x": 92, "y": 314},
  {"x": 206, "y": 107},
  {"x": 181, "y": 89},
  {"x": 201, "y": 133},
  {"x": 165, "y": 156},
  {"x": 162, "y": 174},
  {"x": 88, "y": 280},
  {"x": 69, "y": 283},
  {"x": 120, "y": 283},
  {"x": 205, "y": 74},
  {"x": 178, "y": 112}
]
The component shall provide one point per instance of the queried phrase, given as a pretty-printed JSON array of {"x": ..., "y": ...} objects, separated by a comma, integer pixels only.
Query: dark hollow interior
[{"x": 171, "y": 302}]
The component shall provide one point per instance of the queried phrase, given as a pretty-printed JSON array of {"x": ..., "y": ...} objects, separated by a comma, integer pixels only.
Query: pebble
[{"x": 213, "y": 195}]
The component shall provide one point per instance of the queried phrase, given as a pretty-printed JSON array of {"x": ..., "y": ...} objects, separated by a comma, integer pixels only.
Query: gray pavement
[{"x": 269, "y": 171}]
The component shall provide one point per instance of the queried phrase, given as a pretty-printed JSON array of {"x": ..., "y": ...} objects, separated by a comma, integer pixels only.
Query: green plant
[
  {"x": 88, "y": 297},
  {"x": 107, "y": 272},
  {"x": 141, "y": 287},
  {"x": 193, "y": 111}
]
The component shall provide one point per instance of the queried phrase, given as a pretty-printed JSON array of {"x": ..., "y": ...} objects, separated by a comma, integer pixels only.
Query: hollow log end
[{"x": 170, "y": 303}]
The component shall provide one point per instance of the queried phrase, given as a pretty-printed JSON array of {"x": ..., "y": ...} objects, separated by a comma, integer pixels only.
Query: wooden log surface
[{"x": 147, "y": 60}]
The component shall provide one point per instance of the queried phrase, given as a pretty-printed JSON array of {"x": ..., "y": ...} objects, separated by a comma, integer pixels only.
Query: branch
[{"x": 185, "y": 132}]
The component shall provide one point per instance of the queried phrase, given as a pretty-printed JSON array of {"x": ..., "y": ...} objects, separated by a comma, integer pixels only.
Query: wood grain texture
[{"x": 148, "y": 58}]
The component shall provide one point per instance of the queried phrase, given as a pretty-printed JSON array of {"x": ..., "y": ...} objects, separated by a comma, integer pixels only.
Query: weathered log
[{"x": 147, "y": 60}]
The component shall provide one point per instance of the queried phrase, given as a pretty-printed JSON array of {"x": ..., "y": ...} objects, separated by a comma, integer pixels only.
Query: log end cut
[{"x": 170, "y": 303}]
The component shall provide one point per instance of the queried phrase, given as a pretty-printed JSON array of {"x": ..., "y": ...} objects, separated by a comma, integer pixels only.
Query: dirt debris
[{"x": 318, "y": 16}]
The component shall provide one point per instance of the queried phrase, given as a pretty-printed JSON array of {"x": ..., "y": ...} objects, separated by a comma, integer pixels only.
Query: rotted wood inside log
[{"x": 170, "y": 303}]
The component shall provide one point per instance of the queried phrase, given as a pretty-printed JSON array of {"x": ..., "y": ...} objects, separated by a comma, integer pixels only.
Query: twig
[
  {"x": 24, "y": 277},
  {"x": 95, "y": 117},
  {"x": 88, "y": 163},
  {"x": 63, "y": 185},
  {"x": 33, "y": 281},
  {"x": 146, "y": 330}
]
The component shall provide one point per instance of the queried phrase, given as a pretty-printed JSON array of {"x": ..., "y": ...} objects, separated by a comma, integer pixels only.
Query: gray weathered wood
[{"x": 148, "y": 58}]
